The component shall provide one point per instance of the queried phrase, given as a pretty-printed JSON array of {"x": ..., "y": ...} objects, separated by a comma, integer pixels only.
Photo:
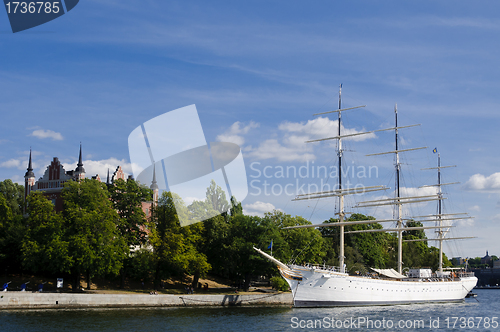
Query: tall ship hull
[{"x": 323, "y": 288}]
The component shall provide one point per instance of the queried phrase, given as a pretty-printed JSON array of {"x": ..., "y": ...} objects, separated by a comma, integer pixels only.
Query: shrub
[{"x": 279, "y": 284}]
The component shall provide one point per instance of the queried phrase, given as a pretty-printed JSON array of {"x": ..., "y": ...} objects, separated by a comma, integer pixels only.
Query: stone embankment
[{"x": 25, "y": 300}]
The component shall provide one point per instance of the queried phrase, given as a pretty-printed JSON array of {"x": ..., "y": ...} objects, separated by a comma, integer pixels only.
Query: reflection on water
[{"x": 255, "y": 318}]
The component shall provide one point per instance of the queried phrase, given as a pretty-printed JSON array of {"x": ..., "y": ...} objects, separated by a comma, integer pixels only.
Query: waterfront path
[{"x": 25, "y": 300}]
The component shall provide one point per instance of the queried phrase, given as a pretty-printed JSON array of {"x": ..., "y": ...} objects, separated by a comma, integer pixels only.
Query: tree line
[{"x": 104, "y": 232}]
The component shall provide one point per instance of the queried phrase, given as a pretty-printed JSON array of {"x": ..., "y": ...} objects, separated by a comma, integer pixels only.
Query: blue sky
[{"x": 257, "y": 71}]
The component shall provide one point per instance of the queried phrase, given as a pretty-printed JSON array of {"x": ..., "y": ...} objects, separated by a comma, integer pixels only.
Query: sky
[{"x": 257, "y": 71}]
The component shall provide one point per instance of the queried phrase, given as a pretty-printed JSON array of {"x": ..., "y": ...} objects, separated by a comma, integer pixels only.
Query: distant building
[
  {"x": 486, "y": 259},
  {"x": 52, "y": 182},
  {"x": 457, "y": 261},
  {"x": 496, "y": 264}
]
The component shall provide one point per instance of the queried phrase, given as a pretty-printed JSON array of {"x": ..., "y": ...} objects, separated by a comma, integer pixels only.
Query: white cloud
[
  {"x": 235, "y": 133},
  {"x": 412, "y": 191},
  {"x": 42, "y": 134},
  {"x": 258, "y": 208},
  {"x": 292, "y": 145},
  {"x": 479, "y": 182},
  {"x": 321, "y": 128},
  {"x": 476, "y": 208},
  {"x": 464, "y": 222},
  {"x": 11, "y": 163},
  {"x": 271, "y": 148}
]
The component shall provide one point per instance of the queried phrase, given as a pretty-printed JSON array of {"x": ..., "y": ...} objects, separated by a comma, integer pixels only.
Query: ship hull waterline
[{"x": 319, "y": 288}]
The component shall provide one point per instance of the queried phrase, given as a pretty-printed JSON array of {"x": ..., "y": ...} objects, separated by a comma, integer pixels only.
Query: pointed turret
[
  {"x": 29, "y": 172},
  {"x": 154, "y": 186},
  {"x": 107, "y": 180},
  {"x": 29, "y": 179},
  {"x": 80, "y": 171}
]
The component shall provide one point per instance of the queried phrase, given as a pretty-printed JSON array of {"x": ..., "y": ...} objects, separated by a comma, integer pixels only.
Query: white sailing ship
[{"x": 319, "y": 286}]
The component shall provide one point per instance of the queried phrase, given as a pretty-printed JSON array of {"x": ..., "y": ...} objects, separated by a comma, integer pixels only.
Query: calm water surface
[{"x": 411, "y": 317}]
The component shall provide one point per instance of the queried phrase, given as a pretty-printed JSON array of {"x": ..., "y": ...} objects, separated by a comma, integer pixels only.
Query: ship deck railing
[
  {"x": 452, "y": 277},
  {"x": 320, "y": 267}
]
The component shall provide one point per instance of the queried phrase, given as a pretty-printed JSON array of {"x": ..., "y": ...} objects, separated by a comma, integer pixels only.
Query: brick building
[{"x": 52, "y": 181}]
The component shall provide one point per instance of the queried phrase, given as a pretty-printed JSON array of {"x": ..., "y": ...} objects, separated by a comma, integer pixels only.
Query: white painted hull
[{"x": 321, "y": 288}]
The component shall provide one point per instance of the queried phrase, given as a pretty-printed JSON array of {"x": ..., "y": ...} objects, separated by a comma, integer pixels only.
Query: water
[{"x": 265, "y": 319}]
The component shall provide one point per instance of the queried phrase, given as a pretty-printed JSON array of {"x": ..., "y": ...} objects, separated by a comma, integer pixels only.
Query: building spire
[
  {"x": 29, "y": 173},
  {"x": 80, "y": 163},
  {"x": 154, "y": 184},
  {"x": 107, "y": 181},
  {"x": 80, "y": 171}
]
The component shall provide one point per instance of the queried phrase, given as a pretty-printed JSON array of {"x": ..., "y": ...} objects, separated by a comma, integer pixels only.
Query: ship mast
[
  {"x": 398, "y": 201},
  {"x": 339, "y": 192},
  {"x": 440, "y": 221},
  {"x": 341, "y": 198},
  {"x": 440, "y": 217}
]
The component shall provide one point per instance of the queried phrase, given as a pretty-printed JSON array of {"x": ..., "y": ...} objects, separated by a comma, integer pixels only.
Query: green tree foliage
[
  {"x": 14, "y": 195},
  {"x": 217, "y": 198},
  {"x": 45, "y": 247},
  {"x": 201, "y": 210},
  {"x": 215, "y": 235},
  {"x": 127, "y": 197},
  {"x": 12, "y": 230},
  {"x": 415, "y": 253},
  {"x": 5, "y": 211},
  {"x": 174, "y": 247},
  {"x": 95, "y": 243},
  {"x": 279, "y": 284},
  {"x": 294, "y": 245},
  {"x": 242, "y": 260},
  {"x": 373, "y": 246},
  {"x": 475, "y": 263},
  {"x": 141, "y": 263},
  {"x": 236, "y": 207},
  {"x": 362, "y": 250}
]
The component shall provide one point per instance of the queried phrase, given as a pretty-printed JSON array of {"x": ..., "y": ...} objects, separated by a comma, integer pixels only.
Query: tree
[
  {"x": 241, "y": 260},
  {"x": 294, "y": 245},
  {"x": 12, "y": 231},
  {"x": 215, "y": 235},
  {"x": 44, "y": 247},
  {"x": 14, "y": 195},
  {"x": 415, "y": 254},
  {"x": 5, "y": 210},
  {"x": 361, "y": 250},
  {"x": 91, "y": 229},
  {"x": 236, "y": 207},
  {"x": 127, "y": 197},
  {"x": 174, "y": 247},
  {"x": 217, "y": 198},
  {"x": 373, "y": 246}
]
